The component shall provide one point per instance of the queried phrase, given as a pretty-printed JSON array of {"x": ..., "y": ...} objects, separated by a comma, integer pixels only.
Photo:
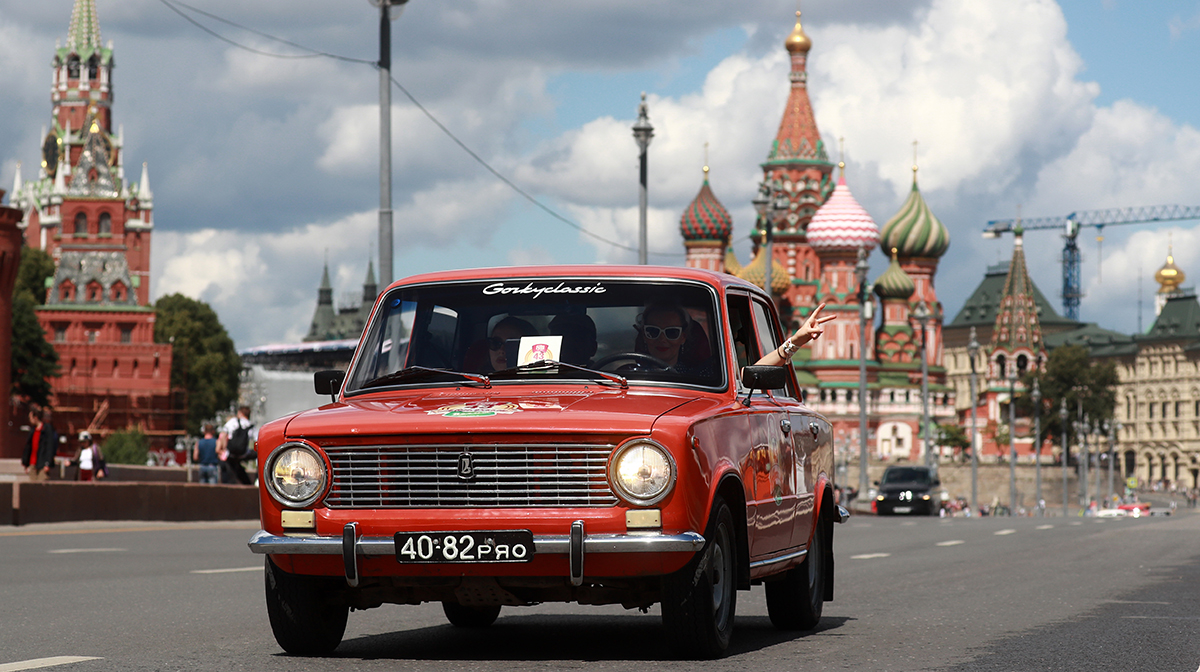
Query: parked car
[
  {"x": 908, "y": 489},
  {"x": 589, "y": 434}
]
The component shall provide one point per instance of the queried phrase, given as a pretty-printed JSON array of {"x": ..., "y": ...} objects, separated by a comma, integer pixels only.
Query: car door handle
[
  {"x": 814, "y": 428},
  {"x": 786, "y": 426}
]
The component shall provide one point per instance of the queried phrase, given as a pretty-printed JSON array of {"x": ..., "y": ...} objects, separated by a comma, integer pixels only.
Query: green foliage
[
  {"x": 205, "y": 362},
  {"x": 34, "y": 360},
  {"x": 1089, "y": 388},
  {"x": 36, "y": 267},
  {"x": 126, "y": 447},
  {"x": 954, "y": 436}
]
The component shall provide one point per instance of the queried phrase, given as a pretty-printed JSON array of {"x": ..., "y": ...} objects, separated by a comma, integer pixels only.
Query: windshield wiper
[
  {"x": 421, "y": 371},
  {"x": 543, "y": 365}
]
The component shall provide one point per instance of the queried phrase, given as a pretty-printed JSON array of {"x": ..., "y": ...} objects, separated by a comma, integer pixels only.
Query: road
[{"x": 911, "y": 594}]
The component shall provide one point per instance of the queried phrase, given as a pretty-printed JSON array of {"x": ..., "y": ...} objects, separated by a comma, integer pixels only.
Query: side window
[
  {"x": 767, "y": 340},
  {"x": 741, "y": 325}
]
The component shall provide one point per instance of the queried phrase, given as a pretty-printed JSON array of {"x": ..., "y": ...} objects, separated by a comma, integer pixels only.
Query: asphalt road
[{"x": 912, "y": 594}]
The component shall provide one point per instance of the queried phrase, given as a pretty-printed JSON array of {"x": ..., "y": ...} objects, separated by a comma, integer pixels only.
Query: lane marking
[
  {"x": 1044, "y": 527},
  {"x": 869, "y": 556},
  {"x": 952, "y": 542},
  {"x": 87, "y": 550},
  {"x": 1077, "y": 523},
  {"x": 1001, "y": 533},
  {"x": 1165, "y": 618},
  {"x": 38, "y": 663},
  {"x": 226, "y": 571},
  {"x": 1134, "y": 602}
]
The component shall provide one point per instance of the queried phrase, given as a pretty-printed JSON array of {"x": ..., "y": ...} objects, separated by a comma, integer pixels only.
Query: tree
[
  {"x": 34, "y": 361},
  {"x": 127, "y": 447},
  {"x": 1086, "y": 385},
  {"x": 954, "y": 436},
  {"x": 204, "y": 360}
]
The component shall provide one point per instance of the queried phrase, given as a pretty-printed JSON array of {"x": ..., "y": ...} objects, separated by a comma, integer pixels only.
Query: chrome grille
[{"x": 505, "y": 476}]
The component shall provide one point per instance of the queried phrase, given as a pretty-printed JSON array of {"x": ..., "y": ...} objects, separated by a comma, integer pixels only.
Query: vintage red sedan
[{"x": 591, "y": 434}]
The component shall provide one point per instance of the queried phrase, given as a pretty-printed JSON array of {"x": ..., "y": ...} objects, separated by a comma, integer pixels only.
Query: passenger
[
  {"x": 579, "y": 338},
  {"x": 505, "y": 330},
  {"x": 812, "y": 328}
]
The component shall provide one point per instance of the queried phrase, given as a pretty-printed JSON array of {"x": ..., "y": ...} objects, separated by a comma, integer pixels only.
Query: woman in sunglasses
[
  {"x": 507, "y": 329},
  {"x": 664, "y": 328}
]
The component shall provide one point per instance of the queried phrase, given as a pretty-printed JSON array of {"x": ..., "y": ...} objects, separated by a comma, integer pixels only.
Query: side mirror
[
  {"x": 937, "y": 482},
  {"x": 329, "y": 382},
  {"x": 762, "y": 378}
]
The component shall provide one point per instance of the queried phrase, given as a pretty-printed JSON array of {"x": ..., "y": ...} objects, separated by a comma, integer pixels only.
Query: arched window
[
  {"x": 66, "y": 292},
  {"x": 1022, "y": 363},
  {"x": 105, "y": 223},
  {"x": 93, "y": 66},
  {"x": 117, "y": 292},
  {"x": 95, "y": 293},
  {"x": 73, "y": 67},
  {"x": 80, "y": 224},
  {"x": 116, "y": 368}
]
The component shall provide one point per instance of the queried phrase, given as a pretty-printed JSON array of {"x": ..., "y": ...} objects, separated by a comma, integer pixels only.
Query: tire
[
  {"x": 699, "y": 601},
  {"x": 304, "y": 620},
  {"x": 470, "y": 617},
  {"x": 795, "y": 600}
]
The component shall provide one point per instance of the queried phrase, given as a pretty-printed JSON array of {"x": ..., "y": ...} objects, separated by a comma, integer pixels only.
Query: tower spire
[{"x": 83, "y": 35}]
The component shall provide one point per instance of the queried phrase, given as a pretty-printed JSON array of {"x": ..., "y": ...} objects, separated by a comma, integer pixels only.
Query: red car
[{"x": 590, "y": 434}]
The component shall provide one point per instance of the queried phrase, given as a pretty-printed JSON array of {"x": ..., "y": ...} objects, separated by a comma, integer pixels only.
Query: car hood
[
  {"x": 526, "y": 410},
  {"x": 900, "y": 487}
]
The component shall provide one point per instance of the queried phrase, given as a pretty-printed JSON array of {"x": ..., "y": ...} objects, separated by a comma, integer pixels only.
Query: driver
[{"x": 664, "y": 329}]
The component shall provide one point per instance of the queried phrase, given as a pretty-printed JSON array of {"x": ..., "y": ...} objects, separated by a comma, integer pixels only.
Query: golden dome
[
  {"x": 1169, "y": 277},
  {"x": 797, "y": 41}
]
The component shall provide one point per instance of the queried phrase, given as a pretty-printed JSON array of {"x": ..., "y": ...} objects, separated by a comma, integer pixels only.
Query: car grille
[{"x": 503, "y": 476}]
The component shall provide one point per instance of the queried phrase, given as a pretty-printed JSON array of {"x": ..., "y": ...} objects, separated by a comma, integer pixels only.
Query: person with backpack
[{"x": 236, "y": 441}]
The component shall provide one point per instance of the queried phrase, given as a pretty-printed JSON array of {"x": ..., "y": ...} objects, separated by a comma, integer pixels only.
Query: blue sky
[{"x": 261, "y": 167}]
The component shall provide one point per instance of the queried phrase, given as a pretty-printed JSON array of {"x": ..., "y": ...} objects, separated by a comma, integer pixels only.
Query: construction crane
[{"x": 1070, "y": 226}]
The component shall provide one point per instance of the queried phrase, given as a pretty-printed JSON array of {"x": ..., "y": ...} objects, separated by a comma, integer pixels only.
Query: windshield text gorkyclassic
[{"x": 529, "y": 288}]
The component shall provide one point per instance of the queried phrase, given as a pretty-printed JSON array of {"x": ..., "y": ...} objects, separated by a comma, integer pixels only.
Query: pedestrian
[
  {"x": 41, "y": 445},
  {"x": 88, "y": 457},
  {"x": 236, "y": 438},
  {"x": 205, "y": 454}
]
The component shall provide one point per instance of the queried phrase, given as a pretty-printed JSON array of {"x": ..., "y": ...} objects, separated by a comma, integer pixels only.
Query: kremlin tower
[{"x": 96, "y": 226}]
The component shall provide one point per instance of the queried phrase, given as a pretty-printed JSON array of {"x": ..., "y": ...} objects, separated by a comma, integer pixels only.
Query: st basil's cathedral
[{"x": 818, "y": 236}]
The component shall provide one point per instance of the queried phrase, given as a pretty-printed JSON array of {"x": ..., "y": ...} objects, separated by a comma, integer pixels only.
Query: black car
[{"x": 907, "y": 490}]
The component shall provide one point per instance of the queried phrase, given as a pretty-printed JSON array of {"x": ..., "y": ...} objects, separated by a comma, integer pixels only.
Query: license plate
[
  {"x": 474, "y": 546},
  {"x": 903, "y": 509}
]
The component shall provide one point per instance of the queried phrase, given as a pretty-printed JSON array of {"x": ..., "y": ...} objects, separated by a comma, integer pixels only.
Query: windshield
[
  {"x": 906, "y": 475},
  {"x": 507, "y": 330}
]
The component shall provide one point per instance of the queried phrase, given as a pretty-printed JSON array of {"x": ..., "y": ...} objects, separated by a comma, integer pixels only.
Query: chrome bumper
[{"x": 265, "y": 542}]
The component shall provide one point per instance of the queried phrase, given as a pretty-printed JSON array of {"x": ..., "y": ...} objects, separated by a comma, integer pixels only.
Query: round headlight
[
  {"x": 295, "y": 475},
  {"x": 642, "y": 472}
]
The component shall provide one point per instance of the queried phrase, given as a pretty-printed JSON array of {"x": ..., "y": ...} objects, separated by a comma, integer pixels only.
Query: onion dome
[
  {"x": 1170, "y": 276},
  {"x": 705, "y": 218},
  {"x": 754, "y": 271},
  {"x": 894, "y": 283},
  {"x": 915, "y": 231},
  {"x": 842, "y": 223},
  {"x": 732, "y": 265},
  {"x": 797, "y": 41}
]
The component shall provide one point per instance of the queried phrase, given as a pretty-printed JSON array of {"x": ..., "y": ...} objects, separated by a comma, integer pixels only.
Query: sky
[{"x": 263, "y": 168}]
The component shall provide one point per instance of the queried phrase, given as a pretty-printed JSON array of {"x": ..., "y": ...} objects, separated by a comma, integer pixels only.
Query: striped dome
[
  {"x": 705, "y": 218},
  {"x": 894, "y": 283},
  {"x": 842, "y": 223},
  {"x": 754, "y": 272},
  {"x": 915, "y": 231}
]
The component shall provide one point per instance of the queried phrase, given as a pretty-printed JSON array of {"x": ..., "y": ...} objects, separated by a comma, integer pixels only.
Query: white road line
[
  {"x": 87, "y": 550},
  {"x": 952, "y": 542},
  {"x": 1044, "y": 527},
  {"x": 1001, "y": 533},
  {"x": 226, "y": 571},
  {"x": 869, "y": 556},
  {"x": 38, "y": 663}
]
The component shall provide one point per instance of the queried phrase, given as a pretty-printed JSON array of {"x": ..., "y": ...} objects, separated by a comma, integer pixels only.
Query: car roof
[{"x": 581, "y": 270}]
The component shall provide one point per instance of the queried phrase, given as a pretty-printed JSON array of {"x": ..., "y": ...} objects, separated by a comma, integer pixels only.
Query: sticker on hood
[{"x": 475, "y": 409}]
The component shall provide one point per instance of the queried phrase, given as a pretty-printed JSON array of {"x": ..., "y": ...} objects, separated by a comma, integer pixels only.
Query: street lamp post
[
  {"x": 1062, "y": 417},
  {"x": 1012, "y": 438},
  {"x": 1036, "y": 396},
  {"x": 1085, "y": 455},
  {"x": 643, "y": 133},
  {"x": 921, "y": 314},
  {"x": 973, "y": 352},
  {"x": 386, "y": 16},
  {"x": 865, "y": 305},
  {"x": 1112, "y": 457}
]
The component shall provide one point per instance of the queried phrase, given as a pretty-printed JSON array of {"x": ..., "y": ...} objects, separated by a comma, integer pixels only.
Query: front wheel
[
  {"x": 795, "y": 600},
  {"x": 698, "y": 601},
  {"x": 470, "y": 617},
  {"x": 305, "y": 621}
]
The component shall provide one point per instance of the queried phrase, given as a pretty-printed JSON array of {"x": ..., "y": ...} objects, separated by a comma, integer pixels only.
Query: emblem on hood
[{"x": 466, "y": 467}]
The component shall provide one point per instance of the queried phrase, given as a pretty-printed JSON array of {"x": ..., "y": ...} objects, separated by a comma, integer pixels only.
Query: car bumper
[{"x": 576, "y": 546}]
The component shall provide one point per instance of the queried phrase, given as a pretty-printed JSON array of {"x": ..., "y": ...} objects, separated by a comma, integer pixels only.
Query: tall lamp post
[
  {"x": 1086, "y": 455},
  {"x": 1012, "y": 437},
  {"x": 386, "y": 16},
  {"x": 1065, "y": 429},
  {"x": 1112, "y": 457},
  {"x": 973, "y": 353},
  {"x": 643, "y": 132},
  {"x": 865, "y": 305},
  {"x": 1036, "y": 396},
  {"x": 921, "y": 314}
]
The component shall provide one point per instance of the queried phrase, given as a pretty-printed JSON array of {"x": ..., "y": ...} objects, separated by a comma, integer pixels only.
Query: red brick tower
[{"x": 96, "y": 226}]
